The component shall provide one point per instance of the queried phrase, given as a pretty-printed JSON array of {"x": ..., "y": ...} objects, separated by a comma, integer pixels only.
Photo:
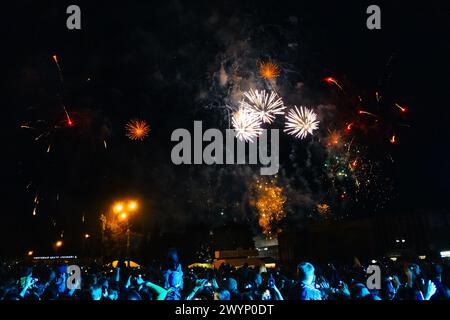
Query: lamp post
[
  {"x": 58, "y": 244},
  {"x": 123, "y": 211}
]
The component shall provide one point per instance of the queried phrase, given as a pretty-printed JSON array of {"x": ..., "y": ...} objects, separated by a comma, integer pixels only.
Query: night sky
[{"x": 159, "y": 62}]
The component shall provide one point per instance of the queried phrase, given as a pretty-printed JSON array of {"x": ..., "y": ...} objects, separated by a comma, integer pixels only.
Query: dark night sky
[{"x": 152, "y": 60}]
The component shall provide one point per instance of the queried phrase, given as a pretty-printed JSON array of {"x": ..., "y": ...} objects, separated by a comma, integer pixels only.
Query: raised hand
[{"x": 430, "y": 290}]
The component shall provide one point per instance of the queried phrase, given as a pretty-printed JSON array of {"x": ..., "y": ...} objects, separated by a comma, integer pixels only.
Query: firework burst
[
  {"x": 269, "y": 70},
  {"x": 323, "y": 208},
  {"x": 264, "y": 105},
  {"x": 246, "y": 124},
  {"x": 334, "y": 139},
  {"x": 137, "y": 129},
  {"x": 301, "y": 122},
  {"x": 269, "y": 202}
]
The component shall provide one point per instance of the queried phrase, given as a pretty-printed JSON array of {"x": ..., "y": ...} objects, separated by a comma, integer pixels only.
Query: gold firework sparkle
[
  {"x": 137, "y": 129},
  {"x": 269, "y": 202},
  {"x": 323, "y": 208}
]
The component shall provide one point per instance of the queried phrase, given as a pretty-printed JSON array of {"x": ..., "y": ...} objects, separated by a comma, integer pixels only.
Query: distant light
[
  {"x": 30, "y": 253},
  {"x": 118, "y": 207},
  {"x": 132, "y": 205},
  {"x": 393, "y": 258},
  {"x": 397, "y": 241},
  {"x": 87, "y": 236},
  {"x": 59, "y": 243},
  {"x": 265, "y": 249},
  {"x": 403, "y": 240},
  {"x": 445, "y": 254},
  {"x": 374, "y": 261},
  {"x": 422, "y": 257},
  {"x": 123, "y": 216}
]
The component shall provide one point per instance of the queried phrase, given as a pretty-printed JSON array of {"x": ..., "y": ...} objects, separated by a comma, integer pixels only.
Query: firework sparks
[
  {"x": 334, "y": 139},
  {"x": 348, "y": 127},
  {"x": 55, "y": 58},
  {"x": 367, "y": 113},
  {"x": 377, "y": 96},
  {"x": 266, "y": 106},
  {"x": 246, "y": 124},
  {"x": 137, "y": 129},
  {"x": 269, "y": 70},
  {"x": 269, "y": 203},
  {"x": 323, "y": 208},
  {"x": 393, "y": 139},
  {"x": 69, "y": 121},
  {"x": 331, "y": 80},
  {"x": 402, "y": 109},
  {"x": 36, "y": 202},
  {"x": 301, "y": 122}
]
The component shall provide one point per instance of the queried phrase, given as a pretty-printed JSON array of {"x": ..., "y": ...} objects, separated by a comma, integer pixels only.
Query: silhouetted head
[{"x": 305, "y": 271}]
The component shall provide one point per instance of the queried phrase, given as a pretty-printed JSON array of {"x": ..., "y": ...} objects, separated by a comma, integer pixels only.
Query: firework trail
[
  {"x": 402, "y": 109},
  {"x": 55, "y": 59},
  {"x": 331, "y": 80},
  {"x": 69, "y": 121},
  {"x": 367, "y": 113},
  {"x": 393, "y": 139}
]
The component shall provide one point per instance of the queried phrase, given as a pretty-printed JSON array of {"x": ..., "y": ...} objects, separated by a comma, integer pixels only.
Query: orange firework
[
  {"x": 137, "y": 129},
  {"x": 333, "y": 139},
  {"x": 269, "y": 70}
]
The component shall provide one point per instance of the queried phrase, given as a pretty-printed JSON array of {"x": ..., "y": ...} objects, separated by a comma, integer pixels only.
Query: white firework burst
[
  {"x": 266, "y": 106},
  {"x": 301, "y": 122},
  {"x": 246, "y": 124}
]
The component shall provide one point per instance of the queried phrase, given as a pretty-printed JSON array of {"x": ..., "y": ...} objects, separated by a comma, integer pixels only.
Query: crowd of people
[{"x": 399, "y": 280}]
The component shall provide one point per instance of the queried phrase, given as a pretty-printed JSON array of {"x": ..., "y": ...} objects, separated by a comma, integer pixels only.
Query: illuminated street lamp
[
  {"x": 123, "y": 216},
  {"x": 118, "y": 207},
  {"x": 58, "y": 244},
  {"x": 86, "y": 236},
  {"x": 122, "y": 210},
  {"x": 132, "y": 205},
  {"x": 30, "y": 253}
]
